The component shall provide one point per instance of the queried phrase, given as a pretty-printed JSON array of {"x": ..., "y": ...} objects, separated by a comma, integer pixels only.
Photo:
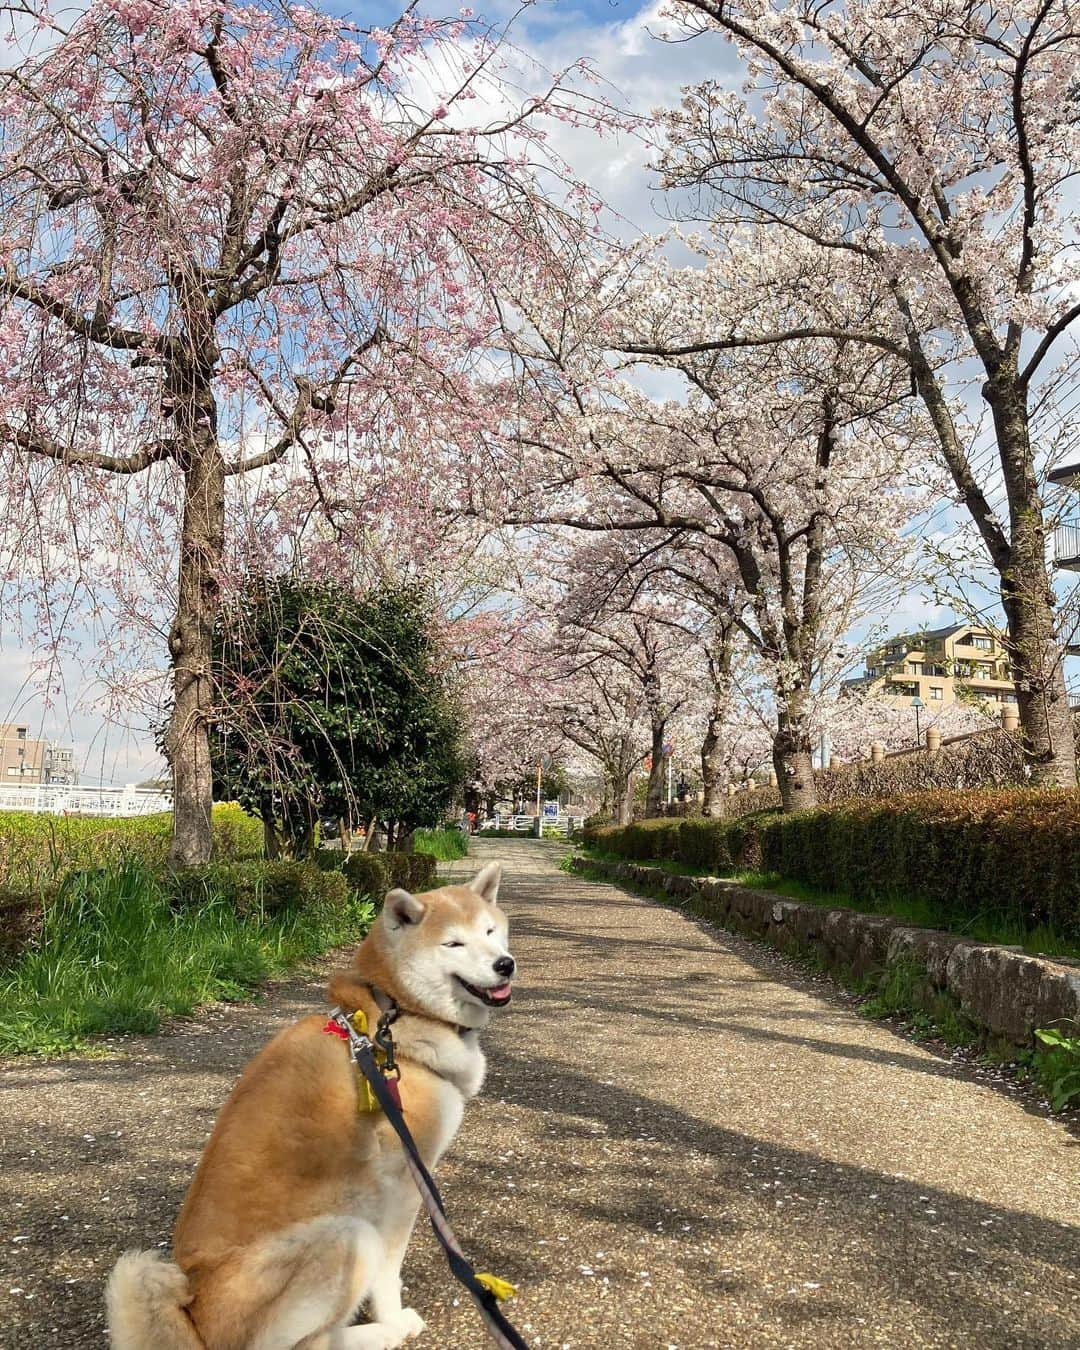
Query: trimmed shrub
[
  {"x": 701, "y": 844},
  {"x": 257, "y": 887},
  {"x": 373, "y": 874},
  {"x": 1008, "y": 857},
  {"x": 413, "y": 871},
  {"x": 365, "y": 873},
  {"x": 236, "y": 835},
  {"x": 718, "y": 846}
]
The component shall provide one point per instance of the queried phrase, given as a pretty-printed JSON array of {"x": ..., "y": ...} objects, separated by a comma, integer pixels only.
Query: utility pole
[{"x": 539, "y": 812}]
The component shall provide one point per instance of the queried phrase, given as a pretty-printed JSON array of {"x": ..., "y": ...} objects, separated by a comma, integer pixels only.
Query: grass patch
[
  {"x": 919, "y": 913},
  {"x": 443, "y": 845},
  {"x": 901, "y": 991},
  {"x": 676, "y": 868},
  {"x": 114, "y": 955}
]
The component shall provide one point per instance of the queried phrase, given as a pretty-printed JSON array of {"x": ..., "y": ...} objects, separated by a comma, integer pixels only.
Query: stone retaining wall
[{"x": 1002, "y": 990}]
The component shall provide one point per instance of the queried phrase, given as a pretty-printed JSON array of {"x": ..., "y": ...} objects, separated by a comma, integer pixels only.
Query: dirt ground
[{"x": 682, "y": 1143}]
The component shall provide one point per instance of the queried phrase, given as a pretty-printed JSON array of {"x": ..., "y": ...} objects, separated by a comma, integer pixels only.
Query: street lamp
[{"x": 918, "y": 705}]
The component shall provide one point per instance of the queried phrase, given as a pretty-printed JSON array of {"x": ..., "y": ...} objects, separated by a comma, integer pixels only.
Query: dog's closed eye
[{"x": 453, "y": 944}]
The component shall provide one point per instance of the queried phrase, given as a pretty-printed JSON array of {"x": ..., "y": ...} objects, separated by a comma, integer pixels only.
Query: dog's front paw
[
  {"x": 408, "y": 1323},
  {"x": 374, "y": 1336}
]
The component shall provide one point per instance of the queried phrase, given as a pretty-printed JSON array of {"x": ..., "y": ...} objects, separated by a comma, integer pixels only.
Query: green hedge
[
  {"x": 373, "y": 874},
  {"x": 716, "y": 846},
  {"x": 257, "y": 888},
  {"x": 1011, "y": 856},
  {"x": 37, "y": 850},
  {"x": 1007, "y": 856}
]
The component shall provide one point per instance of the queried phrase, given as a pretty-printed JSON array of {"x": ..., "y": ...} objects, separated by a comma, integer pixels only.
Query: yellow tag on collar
[
  {"x": 500, "y": 1288},
  {"x": 366, "y": 1101}
]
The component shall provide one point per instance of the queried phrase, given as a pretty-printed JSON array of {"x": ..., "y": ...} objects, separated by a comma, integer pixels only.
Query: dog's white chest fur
[{"x": 453, "y": 1056}]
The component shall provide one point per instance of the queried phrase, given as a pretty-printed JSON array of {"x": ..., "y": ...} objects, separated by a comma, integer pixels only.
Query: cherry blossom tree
[
  {"x": 244, "y": 254},
  {"x": 933, "y": 148},
  {"x": 697, "y": 595},
  {"x": 617, "y": 609},
  {"x": 785, "y": 467},
  {"x": 506, "y": 693},
  {"x": 603, "y": 715}
]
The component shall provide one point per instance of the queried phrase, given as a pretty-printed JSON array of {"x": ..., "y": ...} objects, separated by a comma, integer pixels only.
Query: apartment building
[
  {"x": 25, "y": 759},
  {"x": 960, "y": 663}
]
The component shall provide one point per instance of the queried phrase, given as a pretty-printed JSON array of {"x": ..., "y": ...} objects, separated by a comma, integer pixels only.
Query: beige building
[
  {"x": 961, "y": 663},
  {"x": 24, "y": 759}
]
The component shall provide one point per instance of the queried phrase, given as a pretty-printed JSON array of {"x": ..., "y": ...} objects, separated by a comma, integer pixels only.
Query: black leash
[{"x": 502, "y": 1332}]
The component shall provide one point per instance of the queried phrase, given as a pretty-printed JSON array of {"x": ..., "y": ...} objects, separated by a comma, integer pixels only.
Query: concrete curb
[{"x": 1003, "y": 991}]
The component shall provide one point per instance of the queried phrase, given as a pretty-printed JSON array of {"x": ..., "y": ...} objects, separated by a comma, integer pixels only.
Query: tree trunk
[
  {"x": 792, "y": 760},
  {"x": 1028, "y": 600},
  {"x": 304, "y": 842},
  {"x": 202, "y": 541},
  {"x": 271, "y": 839},
  {"x": 1041, "y": 697},
  {"x": 654, "y": 796},
  {"x": 624, "y": 800},
  {"x": 712, "y": 765}
]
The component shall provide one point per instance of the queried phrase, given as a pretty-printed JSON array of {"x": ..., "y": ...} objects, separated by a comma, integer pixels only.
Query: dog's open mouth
[{"x": 495, "y": 997}]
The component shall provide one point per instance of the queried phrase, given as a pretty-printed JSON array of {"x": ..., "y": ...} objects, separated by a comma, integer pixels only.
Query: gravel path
[{"x": 680, "y": 1144}]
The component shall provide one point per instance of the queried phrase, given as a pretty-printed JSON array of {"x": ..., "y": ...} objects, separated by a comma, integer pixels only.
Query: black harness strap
[{"x": 502, "y": 1332}]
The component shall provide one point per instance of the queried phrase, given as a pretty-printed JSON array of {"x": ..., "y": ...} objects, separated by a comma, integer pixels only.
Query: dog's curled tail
[{"x": 146, "y": 1297}]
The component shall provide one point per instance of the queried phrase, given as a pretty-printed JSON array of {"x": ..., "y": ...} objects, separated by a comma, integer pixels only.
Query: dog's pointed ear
[
  {"x": 486, "y": 882},
  {"x": 402, "y": 908}
]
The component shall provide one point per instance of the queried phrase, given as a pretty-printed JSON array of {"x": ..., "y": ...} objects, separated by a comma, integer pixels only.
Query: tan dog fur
[{"x": 301, "y": 1208}]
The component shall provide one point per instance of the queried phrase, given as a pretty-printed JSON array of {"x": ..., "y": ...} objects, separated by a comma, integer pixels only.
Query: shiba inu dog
[{"x": 302, "y": 1206}]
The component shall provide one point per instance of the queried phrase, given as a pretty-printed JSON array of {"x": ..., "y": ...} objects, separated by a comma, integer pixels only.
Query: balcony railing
[{"x": 1067, "y": 545}]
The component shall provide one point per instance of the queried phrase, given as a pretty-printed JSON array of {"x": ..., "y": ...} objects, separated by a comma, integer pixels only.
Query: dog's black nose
[{"x": 504, "y": 966}]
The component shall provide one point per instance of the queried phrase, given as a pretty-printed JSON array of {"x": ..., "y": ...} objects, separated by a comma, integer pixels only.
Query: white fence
[
  {"x": 56, "y": 799},
  {"x": 527, "y": 824}
]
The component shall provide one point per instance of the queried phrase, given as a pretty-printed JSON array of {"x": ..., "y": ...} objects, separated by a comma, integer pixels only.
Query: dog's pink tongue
[{"x": 500, "y": 994}]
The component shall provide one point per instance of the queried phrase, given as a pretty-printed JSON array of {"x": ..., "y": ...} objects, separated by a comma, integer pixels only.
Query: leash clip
[{"x": 384, "y": 1040}]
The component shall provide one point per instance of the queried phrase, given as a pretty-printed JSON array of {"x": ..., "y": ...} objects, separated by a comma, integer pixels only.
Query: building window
[
  {"x": 984, "y": 644},
  {"x": 936, "y": 693},
  {"x": 915, "y": 668},
  {"x": 22, "y": 733}
]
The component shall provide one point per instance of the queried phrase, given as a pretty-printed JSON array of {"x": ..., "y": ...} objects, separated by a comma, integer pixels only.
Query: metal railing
[
  {"x": 56, "y": 799},
  {"x": 1067, "y": 543},
  {"x": 526, "y": 824}
]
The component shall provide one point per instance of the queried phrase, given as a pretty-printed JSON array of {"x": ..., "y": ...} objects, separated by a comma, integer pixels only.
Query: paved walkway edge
[{"x": 1005, "y": 993}]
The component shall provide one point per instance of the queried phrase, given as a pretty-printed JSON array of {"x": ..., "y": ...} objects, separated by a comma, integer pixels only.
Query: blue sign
[{"x": 551, "y": 810}]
